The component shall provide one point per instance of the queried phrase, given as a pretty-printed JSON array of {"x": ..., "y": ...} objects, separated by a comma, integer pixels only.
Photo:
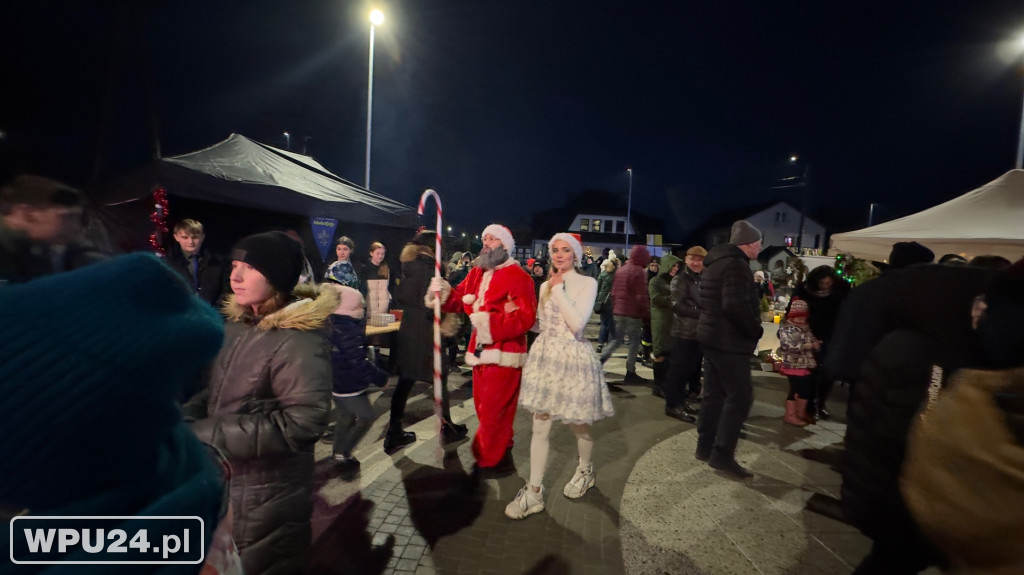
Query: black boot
[
  {"x": 727, "y": 464},
  {"x": 397, "y": 438},
  {"x": 452, "y": 432}
]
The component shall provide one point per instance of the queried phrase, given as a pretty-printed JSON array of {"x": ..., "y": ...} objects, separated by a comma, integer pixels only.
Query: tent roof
[
  {"x": 986, "y": 221},
  {"x": 243, "y": 172}
]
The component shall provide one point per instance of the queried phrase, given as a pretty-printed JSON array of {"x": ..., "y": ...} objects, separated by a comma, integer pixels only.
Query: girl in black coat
[{"x": 414, "y": 354}]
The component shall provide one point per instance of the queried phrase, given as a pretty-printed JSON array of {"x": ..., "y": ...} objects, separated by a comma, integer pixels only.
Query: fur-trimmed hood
[
  {"x": 412, "y": 251},
  {"x": 308, "y": 312}
]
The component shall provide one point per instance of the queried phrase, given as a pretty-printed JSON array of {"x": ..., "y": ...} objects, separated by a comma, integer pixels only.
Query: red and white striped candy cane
[{"x": 437, "y": 306}]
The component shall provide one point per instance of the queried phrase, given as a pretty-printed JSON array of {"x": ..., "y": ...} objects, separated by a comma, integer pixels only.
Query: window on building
[
  {"x": 789, "y": 241},
  {"x": 584, "y": 225},
  {"x": 620, "y": 226},
  {"x": 780, "y": 217},
  {"x": 596, "y": 225}
]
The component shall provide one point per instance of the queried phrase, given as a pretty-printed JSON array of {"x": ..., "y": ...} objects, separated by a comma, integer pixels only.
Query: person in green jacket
[{"x": 661, "y": 318}]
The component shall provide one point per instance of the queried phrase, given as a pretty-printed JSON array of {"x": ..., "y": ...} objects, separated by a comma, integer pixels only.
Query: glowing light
[{"x": 376, "y": 17}]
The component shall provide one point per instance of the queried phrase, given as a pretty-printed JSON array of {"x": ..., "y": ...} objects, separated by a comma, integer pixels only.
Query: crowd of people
[{"x": 261, "y": 384}]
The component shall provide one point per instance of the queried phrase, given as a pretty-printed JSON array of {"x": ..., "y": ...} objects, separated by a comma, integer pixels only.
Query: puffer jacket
[
  {"x": 660, "y": 292},
  {"x": 730, "y": 319},
  {"x": 685, "y": 303},
  {"x": 604, "y": 289},
  {"x": 629, "y": 288},
  {"x": 266, "y": 406},
  {"x": 352, "y": 371}
]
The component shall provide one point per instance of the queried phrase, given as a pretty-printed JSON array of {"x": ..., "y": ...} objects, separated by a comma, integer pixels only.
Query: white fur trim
[
  {"x": 497, "y": 357},
  {"x": 503, "y": 234},
  {"x": 577, "y": 248},
  {"x": 469, "y": 298},
  {"x": 481, "y": 320}
]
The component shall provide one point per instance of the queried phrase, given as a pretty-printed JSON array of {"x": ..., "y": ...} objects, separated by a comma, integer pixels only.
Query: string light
[{"x": 159, "y": 219}]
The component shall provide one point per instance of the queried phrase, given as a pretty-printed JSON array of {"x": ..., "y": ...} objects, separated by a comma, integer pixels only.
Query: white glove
[{"x": 437, "y": 284}]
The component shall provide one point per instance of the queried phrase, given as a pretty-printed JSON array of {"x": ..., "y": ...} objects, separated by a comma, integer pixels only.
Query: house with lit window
[
  {"x": 778, "y": 221},
  {"x": 601, "y": 223}
]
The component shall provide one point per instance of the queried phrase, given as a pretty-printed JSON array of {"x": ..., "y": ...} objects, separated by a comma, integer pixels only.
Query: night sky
[{"x": 507, "y": 107}]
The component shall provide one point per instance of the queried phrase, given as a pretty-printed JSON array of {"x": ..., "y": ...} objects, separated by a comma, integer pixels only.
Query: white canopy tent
[{"x": 986, "y": 221}]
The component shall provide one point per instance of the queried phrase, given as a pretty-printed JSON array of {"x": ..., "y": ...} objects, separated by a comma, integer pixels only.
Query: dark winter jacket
[
  {"x": 352, "y": 371},
  {"x": 823, "y": 310},
  {"x": 629, "y": 288},
  {"x": 661, "y": 306},
  {"x": 730, "y": 319},
  {"x": 890, "y": 332},
  {"x": 414, "y": 352},
  {"x": 213, "y": 273},
  {"x": 685, "y": 303},
  {"x": 604, "y": 289},
  {"x": 266, "y": 406}
]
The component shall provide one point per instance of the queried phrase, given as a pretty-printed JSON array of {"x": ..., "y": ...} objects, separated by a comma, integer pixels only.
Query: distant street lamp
[
  {"x": 1020, "y": 138},
  {"x": 288, "y": 141},
  {"x": 629, "y": 208},
  {"x": 871, "y": 213},
  {"x": 376, "y": 19},
  {"x": 805, "y": 185}
]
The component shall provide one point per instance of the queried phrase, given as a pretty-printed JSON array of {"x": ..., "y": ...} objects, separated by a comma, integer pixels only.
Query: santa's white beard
[{"x": 490, "y": 259}]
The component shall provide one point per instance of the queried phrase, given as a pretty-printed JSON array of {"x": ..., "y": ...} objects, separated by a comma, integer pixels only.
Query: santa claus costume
[{"x": 502, "y": 307}]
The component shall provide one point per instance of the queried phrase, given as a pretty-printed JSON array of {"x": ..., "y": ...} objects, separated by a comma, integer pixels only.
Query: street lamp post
[
  {"x": 376, "y": 19},
  {"x": 871, "y": 213},
  {"x": 805, "y": 186},
  {"x": 288, "y": 141},
  {"x": 1020, "y": 137},
  {"x": 629, "y": 209}
]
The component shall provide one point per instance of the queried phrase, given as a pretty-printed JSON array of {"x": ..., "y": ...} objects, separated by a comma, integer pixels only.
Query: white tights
[{"x": 540, "y": 443}]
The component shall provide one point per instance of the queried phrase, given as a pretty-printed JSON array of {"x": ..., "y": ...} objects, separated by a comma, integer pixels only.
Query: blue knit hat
[{"x": 91, "y": 363}]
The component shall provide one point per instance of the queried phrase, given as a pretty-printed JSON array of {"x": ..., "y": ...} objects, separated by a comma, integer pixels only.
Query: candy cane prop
[{"x": 437, "y": 307}]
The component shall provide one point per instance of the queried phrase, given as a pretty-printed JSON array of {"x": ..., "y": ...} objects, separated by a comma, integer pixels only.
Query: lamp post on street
[
  {"x": 805, "y": 186},
  {"x": 629, "y": 209},
  {"x": 287, "y": 141},
  {"x": 1020, "y": 137},
  {"x": 871, "y": 213},
  {"x": 376, "y": 19}
]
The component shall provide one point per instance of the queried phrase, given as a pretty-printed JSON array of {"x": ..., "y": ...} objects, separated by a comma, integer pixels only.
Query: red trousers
[{"x": 496, "y": 397}]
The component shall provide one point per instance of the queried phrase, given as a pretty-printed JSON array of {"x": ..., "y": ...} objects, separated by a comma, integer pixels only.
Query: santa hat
[
  {"x": 798, "y": 308},
  {"x": 503, "y": 234},
  {"x": 574, "y": 242}
]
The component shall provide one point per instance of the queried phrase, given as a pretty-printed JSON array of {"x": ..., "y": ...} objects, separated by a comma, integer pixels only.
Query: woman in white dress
[{"x": 562, "y": 379}]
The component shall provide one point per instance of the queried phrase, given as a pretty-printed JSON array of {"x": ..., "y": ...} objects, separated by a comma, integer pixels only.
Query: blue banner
[{"x": 323, "y": 233}]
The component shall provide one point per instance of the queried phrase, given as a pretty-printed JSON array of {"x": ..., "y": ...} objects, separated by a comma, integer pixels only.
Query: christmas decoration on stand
[{"x": 159, "y": 219}]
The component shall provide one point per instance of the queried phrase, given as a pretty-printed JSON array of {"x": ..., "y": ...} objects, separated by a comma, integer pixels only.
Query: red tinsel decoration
[{"x": 159, "y": 219}]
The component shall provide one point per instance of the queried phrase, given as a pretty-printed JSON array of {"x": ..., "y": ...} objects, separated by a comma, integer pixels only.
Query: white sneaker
[
  {"x": 580, "y": 483},
  {"x": 526, "y": 503}
]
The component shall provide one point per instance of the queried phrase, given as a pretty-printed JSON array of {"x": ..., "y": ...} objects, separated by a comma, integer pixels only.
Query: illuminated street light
[
  {"x": 376, "y": 19},
  {"x": 629, "y": 206},
  {"x": 1020, "y": 138},
  {"x": 287, "y": 141},
  {"x": 805, "y": 184}
]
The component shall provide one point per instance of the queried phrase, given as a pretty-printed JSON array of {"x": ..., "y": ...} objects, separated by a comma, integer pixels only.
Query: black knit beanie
[{"x": 275, "y": 255}]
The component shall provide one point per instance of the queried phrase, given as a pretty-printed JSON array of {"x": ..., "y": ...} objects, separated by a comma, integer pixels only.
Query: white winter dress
[{"x": 563, "y": 376}]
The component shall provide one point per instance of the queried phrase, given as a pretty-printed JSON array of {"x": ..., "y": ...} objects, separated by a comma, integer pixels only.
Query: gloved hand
[{"x": 437, "y": 284}]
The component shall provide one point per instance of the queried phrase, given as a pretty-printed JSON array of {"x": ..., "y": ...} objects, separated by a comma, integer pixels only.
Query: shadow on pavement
[
  {"x": 441, "y": 501},
  {"x": 346, "y": 545}
]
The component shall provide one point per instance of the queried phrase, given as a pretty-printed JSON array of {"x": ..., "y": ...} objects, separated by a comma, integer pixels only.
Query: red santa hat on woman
[
  {"x": 574, "y": 242},
  {"x": 503, "y": 234}
]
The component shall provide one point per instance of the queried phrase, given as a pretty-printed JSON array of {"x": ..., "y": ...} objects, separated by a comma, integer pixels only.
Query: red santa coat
[{"x": 499, "y": 337}]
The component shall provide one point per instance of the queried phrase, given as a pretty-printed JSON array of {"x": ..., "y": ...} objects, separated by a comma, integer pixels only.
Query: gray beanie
[{"x": 743, "y": 232}]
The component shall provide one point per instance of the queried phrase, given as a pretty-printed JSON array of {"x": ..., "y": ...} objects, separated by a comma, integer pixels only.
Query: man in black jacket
[
  {"x": 202, "y": 270},
  {"x": 728, "y": 330}
]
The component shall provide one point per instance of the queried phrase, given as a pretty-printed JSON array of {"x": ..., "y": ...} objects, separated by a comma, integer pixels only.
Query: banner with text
[{"x": 323, "y": 233}]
